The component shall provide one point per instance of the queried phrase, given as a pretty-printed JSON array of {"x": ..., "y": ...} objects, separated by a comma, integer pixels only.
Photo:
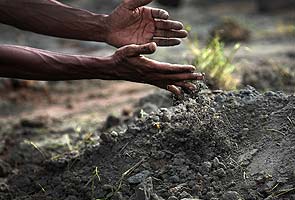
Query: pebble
[
  {"x": 270, "y": 94},
  {"x": 207, "y": 166},
  {"x": 220, "y": 172},
  {"x": 172, "y": 198},
  {"x": 166, "y": 117},
  {"x": 174, "y": 179},
  {"x": 231, "y": 195},
  {"x": 139, "y": 178},
  {"x": 185, "y": 194},
  {"x": 210, "y": 195}
]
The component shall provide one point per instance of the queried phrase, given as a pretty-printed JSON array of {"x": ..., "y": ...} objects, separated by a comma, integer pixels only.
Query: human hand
[
  {"x": 129, "y": 64},
  {"x": 134, "y": 23}
]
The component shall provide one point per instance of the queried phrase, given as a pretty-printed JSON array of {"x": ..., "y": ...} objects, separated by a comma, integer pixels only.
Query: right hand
[{"x": 130, "y": 65}]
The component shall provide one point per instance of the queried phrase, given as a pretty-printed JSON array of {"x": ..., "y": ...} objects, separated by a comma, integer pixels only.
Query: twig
[
  {"x": 272, "y": 189},
  {"x": 282, "y": 192},
  {"x": 124, "y": 147},
  {"x": 126, "y": 173},
  {"x": 290, "y": 120},
  {"x": 37, "y": 148},
  {"x": 277, "y": 131}
]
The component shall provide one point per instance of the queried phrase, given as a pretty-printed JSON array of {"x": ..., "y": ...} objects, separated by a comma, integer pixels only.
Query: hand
[
  {"x": 128, "y": 64},
  {"x": 133, "y": 23}
]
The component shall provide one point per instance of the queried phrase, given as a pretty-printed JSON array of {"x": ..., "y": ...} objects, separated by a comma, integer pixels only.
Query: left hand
[{"x": 134, "y": 23}]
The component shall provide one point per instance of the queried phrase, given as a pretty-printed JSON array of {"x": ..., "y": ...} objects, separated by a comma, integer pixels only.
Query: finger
[
  {"x": 167, "y": 68},
  {"x": 159, "y": 13},
  {"x": 136, "y": 50},
  {"x": 168, "y": 24},
  {"x": 132, "y": 4},
  {"x": 170, "y": 33},
  {"x": 166, "y": 42},
  {"x": 175, "y": 90},
  {"x": 181, "y": 77},
  {"x": 186, "y": 85}
]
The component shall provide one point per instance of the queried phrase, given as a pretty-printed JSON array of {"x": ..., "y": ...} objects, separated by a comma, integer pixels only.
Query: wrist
[
  {"x": 99, "y": 68},
  {"x": 101, "y": 28}
]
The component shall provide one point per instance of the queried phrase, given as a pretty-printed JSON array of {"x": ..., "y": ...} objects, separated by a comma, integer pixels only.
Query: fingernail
[
  {"x": 193, "y": 87},
  {"x": 193, "y": 68},
  {"x": 199, "y": 76}
]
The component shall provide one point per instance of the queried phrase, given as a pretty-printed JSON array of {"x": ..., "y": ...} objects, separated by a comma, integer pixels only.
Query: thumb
[
  {"x": 132, "y": 4},
  {"x": 137, "y": 50}
]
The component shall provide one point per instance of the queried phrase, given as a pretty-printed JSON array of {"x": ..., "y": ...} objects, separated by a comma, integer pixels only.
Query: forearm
[
  {"x": 35, "y": 64},
  {"x": 52, "y": 18}
]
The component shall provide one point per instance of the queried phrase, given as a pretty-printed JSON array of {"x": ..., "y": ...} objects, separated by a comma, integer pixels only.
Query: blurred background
[{"x": 235, "y": 42}]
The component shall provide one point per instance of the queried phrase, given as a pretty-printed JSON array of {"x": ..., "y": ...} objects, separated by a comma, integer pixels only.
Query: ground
[{"x": 103, "y": 140}]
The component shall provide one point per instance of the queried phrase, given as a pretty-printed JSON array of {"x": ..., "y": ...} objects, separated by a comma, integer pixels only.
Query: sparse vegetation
[{"x": 213, "y": 61}]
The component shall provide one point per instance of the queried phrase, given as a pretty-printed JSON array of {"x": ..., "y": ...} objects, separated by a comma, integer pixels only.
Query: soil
[{"x": 223, "y": 145}]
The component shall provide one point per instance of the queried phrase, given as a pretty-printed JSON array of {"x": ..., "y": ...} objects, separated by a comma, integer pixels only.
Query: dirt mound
[{"x": 223, "y": 145}]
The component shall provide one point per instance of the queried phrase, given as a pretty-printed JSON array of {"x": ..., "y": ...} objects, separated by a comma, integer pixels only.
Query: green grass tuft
[{"x": 213, "y": 61}]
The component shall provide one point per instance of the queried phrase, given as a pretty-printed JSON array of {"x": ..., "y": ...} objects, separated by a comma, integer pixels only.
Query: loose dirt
[{"x": 208, "y": 145}]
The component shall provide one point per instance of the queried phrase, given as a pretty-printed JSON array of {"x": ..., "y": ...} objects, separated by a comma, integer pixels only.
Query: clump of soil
[{"x": 208, "y": 145}]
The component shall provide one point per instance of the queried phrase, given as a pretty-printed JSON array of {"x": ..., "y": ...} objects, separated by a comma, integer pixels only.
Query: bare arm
[
  {"x": 130, "y": 23},
  {"x": 127, "y": 63},
  {"x": 29, "y": 63},
  {"x": 50, "y": 17}
]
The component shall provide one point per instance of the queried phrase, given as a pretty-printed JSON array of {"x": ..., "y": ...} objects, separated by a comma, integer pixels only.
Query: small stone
[
  {"x": 166, "y": 117},
  {"x": 207, "y": 166},
  {"x": 210, "y": 195},
  {"x": 245, "y": 158},
  {"x": 270, "y": 94},
  {"x": 158, "y": 155},
  {"x": 220, "y": 98},
  {"x": 174, "y": 179},
  {"x": 139, "y": 178},
  {"x": 172, "y": 198},
  {"x": 4, "y": 187},
  {"x": 231, "y": 195},
  {"x": 220, "y": 172},
  {"x": 185, "y": 194}
]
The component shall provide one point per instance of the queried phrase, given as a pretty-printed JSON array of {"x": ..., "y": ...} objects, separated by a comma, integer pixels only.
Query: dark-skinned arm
[
  {"x": 130, "y": 23},
  {"x": 126, "y": 63},
  {"x": 52, "y": 18}
]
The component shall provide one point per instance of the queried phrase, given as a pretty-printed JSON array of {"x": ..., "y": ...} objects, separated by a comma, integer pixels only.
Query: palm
[
  {"x": 136, "y": 24},
  {"x": 133, "y": 27}
]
